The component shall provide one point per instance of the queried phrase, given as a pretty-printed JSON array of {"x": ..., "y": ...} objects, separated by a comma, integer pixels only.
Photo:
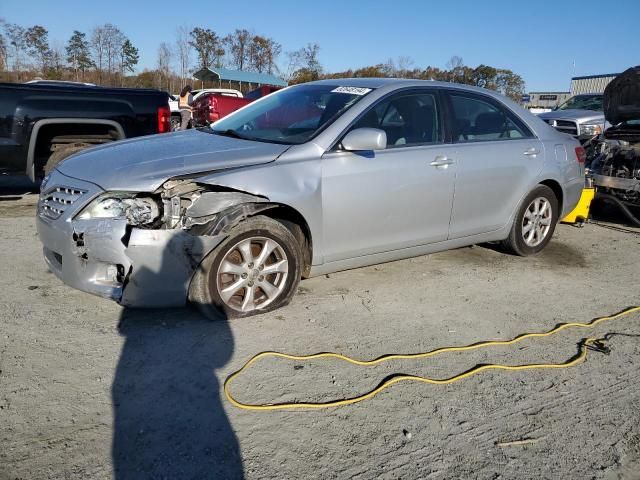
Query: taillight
[
  {"x": 581, "y": 155},
  {"x": 164, "y": 119}
]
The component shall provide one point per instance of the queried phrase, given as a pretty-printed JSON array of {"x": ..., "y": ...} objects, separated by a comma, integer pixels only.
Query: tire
[
  {"x": 60, "y": 154},
  {"x": 541, "y": 230},
  {"x": 175, "y": 123},
  {"x": 237, "y": 253}
]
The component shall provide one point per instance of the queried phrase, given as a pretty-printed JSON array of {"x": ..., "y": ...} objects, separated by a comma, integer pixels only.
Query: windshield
[
  {"x": 291, "y": 116},
  {"x": 583, "y": 102}
]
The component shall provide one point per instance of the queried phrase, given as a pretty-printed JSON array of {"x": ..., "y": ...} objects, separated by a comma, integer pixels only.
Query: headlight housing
[
  {"x": 136, "y": 210},
  {"x": 590, "y": 129}
]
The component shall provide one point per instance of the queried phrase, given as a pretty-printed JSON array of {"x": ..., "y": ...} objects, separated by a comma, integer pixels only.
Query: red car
[{"x": 210, "y": 107}]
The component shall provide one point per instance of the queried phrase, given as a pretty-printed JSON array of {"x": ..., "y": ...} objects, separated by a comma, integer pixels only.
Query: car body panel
[
  {"x": 376, "y": 202},
  {"x": 143, "y": 164},
  {"x": 490, "y": 181}
]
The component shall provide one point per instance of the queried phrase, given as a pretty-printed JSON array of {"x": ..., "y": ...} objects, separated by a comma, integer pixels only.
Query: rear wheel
[
  {"x": 534, "y": 224},
  {"x": 175, "y": 123},
  {"x": 255, "y": 270}
]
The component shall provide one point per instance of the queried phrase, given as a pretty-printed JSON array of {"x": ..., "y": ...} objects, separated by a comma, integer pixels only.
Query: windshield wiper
[{"x": 230, "y": 133}]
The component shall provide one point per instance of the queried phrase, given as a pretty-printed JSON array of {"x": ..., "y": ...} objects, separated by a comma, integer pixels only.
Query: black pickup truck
[{"x": 44, "y": 122}]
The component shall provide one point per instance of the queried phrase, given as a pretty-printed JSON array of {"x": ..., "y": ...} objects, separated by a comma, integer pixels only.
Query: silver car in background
[{"x": 313, "y": 179}]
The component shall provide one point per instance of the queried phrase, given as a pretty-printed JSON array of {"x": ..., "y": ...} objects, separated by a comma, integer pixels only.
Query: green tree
[
  {"x": 129, "y": 57},
  {"x": 238, "y": 46},
  {"x": 263, "y": 54},
  {"x": 510, "y": 84},
  {"x": 79, "y": 54},
  {"x": 208, "y": 46},
  {"x": 37, "y": 42},
  {"x": 379, "y": 70},
  {"x": 484, "y": 76}
]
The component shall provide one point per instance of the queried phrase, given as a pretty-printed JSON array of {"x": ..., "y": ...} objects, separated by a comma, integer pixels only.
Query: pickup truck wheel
[
  {"x": 175, "y": 122},
  {"x": 255, "y": 270},
  {"x": 61, "y": 153},
  {"x": 534, "y": 224}
]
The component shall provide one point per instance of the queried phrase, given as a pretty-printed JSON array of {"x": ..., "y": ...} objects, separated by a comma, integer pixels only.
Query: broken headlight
[{"x": 136, "y": 210}]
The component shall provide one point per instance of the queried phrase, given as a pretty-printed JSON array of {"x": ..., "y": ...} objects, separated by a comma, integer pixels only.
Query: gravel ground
[{"x": 89, "y": 390}]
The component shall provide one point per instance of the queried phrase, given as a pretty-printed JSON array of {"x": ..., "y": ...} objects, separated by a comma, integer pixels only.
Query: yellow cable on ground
[{"x": 400, "y": 378}]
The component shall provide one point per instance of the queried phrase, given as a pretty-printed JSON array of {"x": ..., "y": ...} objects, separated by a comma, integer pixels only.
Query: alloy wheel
[
  {"x": 536, "y": 222},
  {"x": 252, "y": 274}
]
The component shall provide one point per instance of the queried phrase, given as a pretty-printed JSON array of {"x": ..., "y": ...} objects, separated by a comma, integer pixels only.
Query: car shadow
[
  {"x": 15, "y": 186},
  {"x": 169, "y": 420}
]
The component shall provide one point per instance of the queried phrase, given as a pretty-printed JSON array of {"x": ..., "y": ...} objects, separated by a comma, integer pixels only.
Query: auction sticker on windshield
[{"x": 351, "y": 90}]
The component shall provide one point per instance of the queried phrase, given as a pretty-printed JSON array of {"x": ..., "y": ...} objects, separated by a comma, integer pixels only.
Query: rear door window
[{"x": 477, "y": 119}]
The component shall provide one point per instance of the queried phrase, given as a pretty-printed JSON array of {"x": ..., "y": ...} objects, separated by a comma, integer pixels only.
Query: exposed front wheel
[
  {"x": 535, "y": 222},
  {"x": 255, "y": 270}
]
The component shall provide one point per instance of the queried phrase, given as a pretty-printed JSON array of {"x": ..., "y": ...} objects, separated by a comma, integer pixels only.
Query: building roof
[
  {"x": 223, "y": 74},
  {"x": 603, "y": 75}
]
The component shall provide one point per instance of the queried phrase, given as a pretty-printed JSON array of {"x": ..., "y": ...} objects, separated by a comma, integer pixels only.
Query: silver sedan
[{"x": 313, "y": 179}]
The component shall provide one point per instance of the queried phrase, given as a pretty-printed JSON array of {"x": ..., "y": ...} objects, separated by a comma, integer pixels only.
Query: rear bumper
[{"x": 572, "y": 195}]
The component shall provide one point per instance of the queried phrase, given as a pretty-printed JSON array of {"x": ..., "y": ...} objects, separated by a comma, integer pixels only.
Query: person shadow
[{"x": 169, "y": 422}]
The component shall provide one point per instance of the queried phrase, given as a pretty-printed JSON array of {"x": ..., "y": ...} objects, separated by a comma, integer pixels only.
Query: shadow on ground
[
  {"x": 17, "y": 185},
  {"x": 168, "y": 415}
]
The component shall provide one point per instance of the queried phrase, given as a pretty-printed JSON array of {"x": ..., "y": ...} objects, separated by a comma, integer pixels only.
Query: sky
[{"x": 545, "y": 42}]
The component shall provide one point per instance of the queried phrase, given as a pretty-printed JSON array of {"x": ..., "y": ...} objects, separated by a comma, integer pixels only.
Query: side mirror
[{"x": 365, "y": 139}]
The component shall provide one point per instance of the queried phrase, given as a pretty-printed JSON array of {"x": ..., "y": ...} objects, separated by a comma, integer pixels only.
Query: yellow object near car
[{"x": 581, "y": 212}]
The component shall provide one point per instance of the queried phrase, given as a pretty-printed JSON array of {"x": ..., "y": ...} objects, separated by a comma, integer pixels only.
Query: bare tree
[
  {"x": 114, "y": 39},
  {"x": 57, "y": 61},
  {"x": 305, "y": 59},
  {"x": 17, "y": 45},
  {"x": 183, "y": 50},
  {"x": 3, "y": 53},
  {"x": 98, "y": 46},
  {"x": 164, "y": 65},
  {"x": 404, "y": 63},
  {"x": 106, "y": 44},
  {"x": 455, "y": 65}
]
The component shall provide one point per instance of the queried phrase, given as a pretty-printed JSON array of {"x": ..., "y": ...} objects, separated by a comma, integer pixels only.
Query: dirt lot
[{"x": 87, "y": 388}]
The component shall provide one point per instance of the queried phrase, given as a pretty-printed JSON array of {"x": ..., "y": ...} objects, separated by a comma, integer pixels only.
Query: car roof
[{"x": 392, "y": 83}]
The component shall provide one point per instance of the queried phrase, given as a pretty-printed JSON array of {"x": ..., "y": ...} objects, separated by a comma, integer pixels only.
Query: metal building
[
  {"x": 544, "y": 99},
  {"x": 591, "y": 83},
  {"x": 235, "y": 78}
]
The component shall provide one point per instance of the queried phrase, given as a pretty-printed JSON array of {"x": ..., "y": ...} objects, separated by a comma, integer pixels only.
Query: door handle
[
  {"x": 442, "y": 161},
  {"x": 531, "y": 152}
]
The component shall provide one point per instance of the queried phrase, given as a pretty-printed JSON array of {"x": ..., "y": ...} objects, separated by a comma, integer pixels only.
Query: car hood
[
  {"x": 622, "y": 97},
  {"x": 143, "y": 164},
  {"x": 575, "y": 115}
]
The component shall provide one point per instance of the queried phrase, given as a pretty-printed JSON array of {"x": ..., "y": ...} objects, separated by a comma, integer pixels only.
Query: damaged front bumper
[{"x": 135, "y": 267}]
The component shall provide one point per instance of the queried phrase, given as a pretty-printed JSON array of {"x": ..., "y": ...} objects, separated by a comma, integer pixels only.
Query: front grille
[
  {"x": 55, "y": 201},
  {"x": 564, "y": 126}
]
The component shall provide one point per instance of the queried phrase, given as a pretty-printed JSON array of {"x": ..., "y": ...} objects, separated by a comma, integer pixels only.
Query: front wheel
[
  {"x": 534, "y": 224},
  {"x": 255, "y": 270}
]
